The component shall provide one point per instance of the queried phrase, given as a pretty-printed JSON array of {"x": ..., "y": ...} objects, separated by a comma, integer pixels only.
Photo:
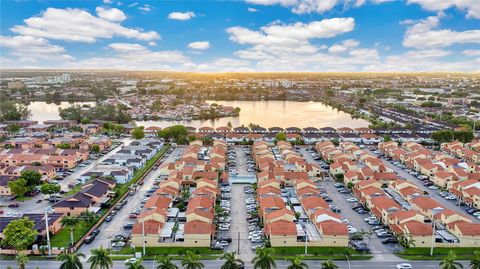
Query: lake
[{"x": 264, "y": 113}]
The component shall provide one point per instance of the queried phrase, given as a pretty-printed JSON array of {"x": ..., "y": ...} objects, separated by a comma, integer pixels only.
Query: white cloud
[
  {"x": 225, "y": 65},
  {"x": 344, "y": 46},
  {"x": 181, "y": 16},
  {"x": 471, "y": 52},
  {"x": 152, "y": 43},
  {"x": 314, "y": 6},
  {"x": 133, "y": 4},
  {"x": 111, "y": 14},
  {"x": 421, "y": 35},
  {"x": 34, "y": 48},
  {"x": 74, "y": 24},
  {"x": 199, "y": 45},
  {"x": 107, "y": 1},
  {"x": 251, "y": 9},
  {"x": 145, "y": 8},
  {"x": 291, "y": 35},
  {"x": 472, "y": 7}
]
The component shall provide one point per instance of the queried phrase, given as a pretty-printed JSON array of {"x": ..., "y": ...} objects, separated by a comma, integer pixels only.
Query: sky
[{"x": 242, "y": 35}]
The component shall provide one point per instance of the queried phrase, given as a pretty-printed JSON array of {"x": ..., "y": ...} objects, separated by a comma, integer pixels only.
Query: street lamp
[
  {"x": 348, "y": 261},
  {"x": 435, "y": 211}
]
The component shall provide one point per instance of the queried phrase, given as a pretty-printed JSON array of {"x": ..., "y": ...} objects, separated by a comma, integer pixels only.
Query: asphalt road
[
  {"x": 215, "y": 264},
  {"x": 108, "y": 230}
]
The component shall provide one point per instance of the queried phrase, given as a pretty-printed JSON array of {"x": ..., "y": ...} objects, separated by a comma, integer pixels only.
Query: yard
[{"x": 438, "y": 253}]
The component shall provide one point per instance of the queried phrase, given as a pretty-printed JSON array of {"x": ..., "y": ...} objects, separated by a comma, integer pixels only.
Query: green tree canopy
[
  {"x": 19, "y": 234},
  {"x": 175, "y": 132},
  {"x": 49, "y": 188},
  {"x": 11, "y": 111},
  {"x": 19, "y": 187},
  {"x": 281, "y": 136},
  {"x": 138, "y": 132}
]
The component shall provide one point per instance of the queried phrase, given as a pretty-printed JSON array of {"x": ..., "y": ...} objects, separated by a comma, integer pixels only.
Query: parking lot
[
  {"x": 108, "y": 230},
  {"x": 356, "y": 220},
  {"x": 435, "y": 194}
]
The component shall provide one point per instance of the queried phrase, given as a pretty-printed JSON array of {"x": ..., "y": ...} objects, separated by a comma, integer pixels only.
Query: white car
[
  {"x": 131, "y": 260},
  {"x": 404, "y": 266}
]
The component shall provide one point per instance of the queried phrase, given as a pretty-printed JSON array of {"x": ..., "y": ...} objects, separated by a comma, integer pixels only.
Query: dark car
[
  {"x": 109, "y": 218},
  {"x": 13, "y": 205},
  {"x": 95, "y": 232},
  {"x": 128, "y": 226},
  {"x": 389, "y": 240},
  {"x": 89, "y": 239}
]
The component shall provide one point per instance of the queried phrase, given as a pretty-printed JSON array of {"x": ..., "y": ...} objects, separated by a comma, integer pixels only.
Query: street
[{"x": 215, "y": 264}]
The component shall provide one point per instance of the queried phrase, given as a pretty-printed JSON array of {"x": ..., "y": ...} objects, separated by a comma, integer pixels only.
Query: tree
[
  {"x": 406, "y": 240},
  {"x": 442, "y": 136},
  {"x": 475, "y": 262},
  {"x": 387, "y": 138},
  {"x": 12, "y": 111},
  {"x": 70, "y": 222},
  {"x": 191, "y": 261},
  {"x": 95, "y": 148},
  {"x": 136, "y": 265},
  {"x": 329, "y": 265},
  {"x": 19, "y": 187},
  {"x": 138, "y": 133},
  {"x": 49, "y": 188},
  {"x": 175, "y": 132},
  {"x": 70, "y": 260},
  {"x": 22, "y": 260},
  {"x": 231, "y": 262},
  {"x": 13, "y": 128},
  {"x": 88, "y": 217},
  {"x": 264, "y": 259},
  {"x": 32, "y": 177},
  {"x": 85, "y": 120},
  {"x": 297, "y": 263},
  {"x": 165, "y": 262},
  {"x": 64, "y": 146},
  {"x": 100, "y": 258},
  {"x": 449, "y": 261},
  {"x": 19, "y": 234},
  {"x": 281, "y": 136}
]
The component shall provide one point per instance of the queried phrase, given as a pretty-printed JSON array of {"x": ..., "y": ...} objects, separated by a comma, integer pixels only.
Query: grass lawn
[
  {"x": 438, "y": 253},
  {"x": 157, "y": 257},
  {"x": 327, "y": 257},
  {"x": 152, "y": 251},
  {"x": 62, "y": 238},
  {"x": 313, "y": 250}
]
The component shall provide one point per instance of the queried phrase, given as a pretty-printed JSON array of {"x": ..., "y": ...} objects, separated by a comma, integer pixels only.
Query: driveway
[
  {"x": 239, "y": 224},
  {"x": 355, "y": 219}
]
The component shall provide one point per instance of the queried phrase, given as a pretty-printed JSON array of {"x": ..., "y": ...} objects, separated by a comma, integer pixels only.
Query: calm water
[
  {"x": 265, "y": 113},
  {"x": 42, "y": 111}
]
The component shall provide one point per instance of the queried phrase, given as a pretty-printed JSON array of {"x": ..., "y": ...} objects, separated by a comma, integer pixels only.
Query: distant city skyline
[{"x": 251, "y": 35}]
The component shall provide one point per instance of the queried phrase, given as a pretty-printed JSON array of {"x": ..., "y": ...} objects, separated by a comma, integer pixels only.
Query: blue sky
[{"x": 250, "y": 35}]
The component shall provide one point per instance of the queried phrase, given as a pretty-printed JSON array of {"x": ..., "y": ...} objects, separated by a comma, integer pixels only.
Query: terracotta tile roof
[
  {"x": 313, "y": 202},
  {"x": 468, "y": 229},
  {"x": 425, "y": 202},
  {"x": 418, "y": 228},
  {"x": 332, "y": 228},
  {"x": 281, "y": 227},
  {"x": 158, "y": 201},
  {"x": 198, "y": 227},
  {"x": 151, "y": 227},
  {"x": 279, "y": 213}
]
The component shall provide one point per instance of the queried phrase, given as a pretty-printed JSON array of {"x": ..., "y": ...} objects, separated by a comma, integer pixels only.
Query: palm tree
[
  {"x": 88, "y": 217},
  {"x": 449, "y": 261},
  {"x": 264, "y": 259},
  {"x": 329, "y": 265},
  {"x": 191, "y": 261},
  {"x": 297, "y": 263},
  {"x": 100, "y": 258},
  {"x": 22, "y": 260},
  {"x": 406, "y": 240},
  {"x": 70, "y": 222},
  {"x": 166, "y": 263},
  {"x": 70, "y": 260},
  {"x": 475, "y": 262},
  {"x": 136, "y": 265},
  {"x": 231, "y": 262}
]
